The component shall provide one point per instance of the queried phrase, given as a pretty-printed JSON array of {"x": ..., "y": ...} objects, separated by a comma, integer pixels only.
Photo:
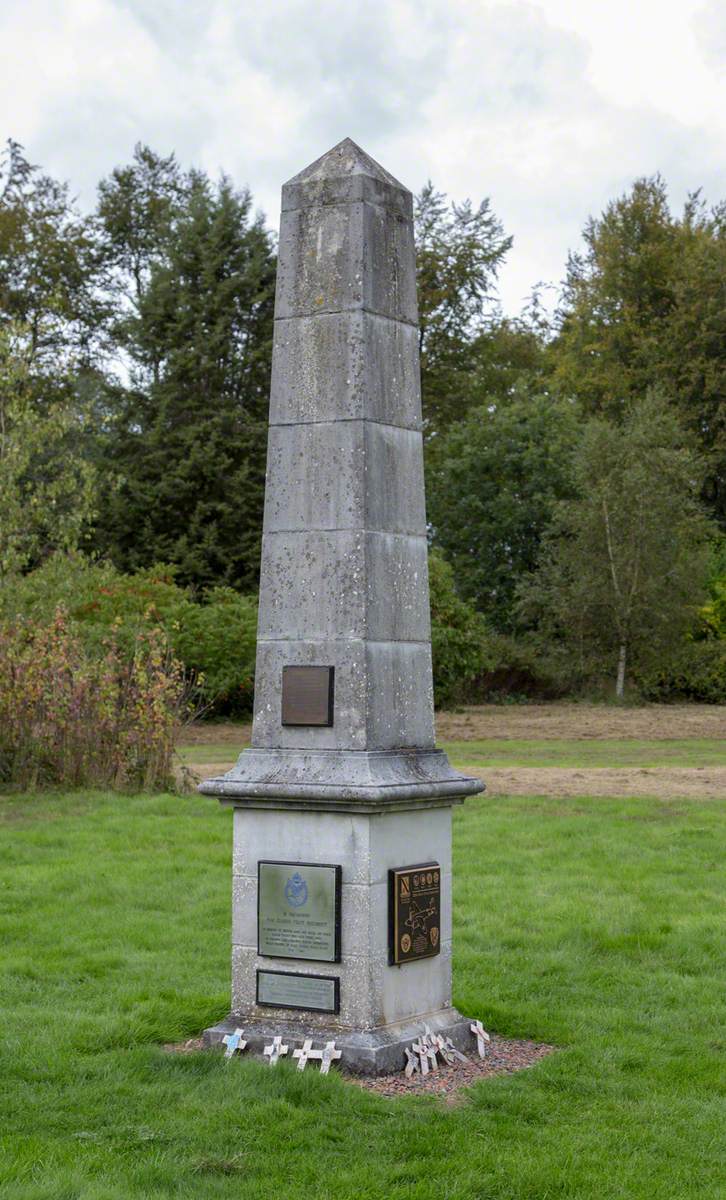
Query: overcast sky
[{"x": 551, "y": 107}]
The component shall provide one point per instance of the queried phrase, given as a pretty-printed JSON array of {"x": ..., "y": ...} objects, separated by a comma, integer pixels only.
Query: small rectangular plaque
[
  {"x": 298, "y": 910},
  {"x": 283, "y": 989},
  {"x": 307, "y": 695},
  {"x": 414, "y": 910}
]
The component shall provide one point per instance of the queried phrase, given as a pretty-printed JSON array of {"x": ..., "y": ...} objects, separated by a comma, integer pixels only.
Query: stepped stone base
[
  {"x": 347, "y": 780},
  {"x": 368, "y": 1052}
]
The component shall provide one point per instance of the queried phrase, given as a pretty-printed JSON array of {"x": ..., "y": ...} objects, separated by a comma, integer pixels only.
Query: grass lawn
[
  {"x": 607, "y": 752},
  {"x": 549, "y": 752},
  {"x": 594, "y": 924}
]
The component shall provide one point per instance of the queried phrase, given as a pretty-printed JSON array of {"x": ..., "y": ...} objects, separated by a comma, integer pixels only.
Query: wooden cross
[
  {"x": 443, "y": 1049},
  {"x": 327, "y": 1056},
  {"x": 275, "y": 1050},
  {"x": 430, "y": 1045},
  {"x": 430, "y": 1049},
  {"x": 233, "y": 1041},
  {"x": 447, "y": 1049},
  {"x": 482, "y": 1037},
  {"x": 423, "y": 1055},
  {"x": 412, "y": 1063},
  {"x": 302, "y": 1055}
]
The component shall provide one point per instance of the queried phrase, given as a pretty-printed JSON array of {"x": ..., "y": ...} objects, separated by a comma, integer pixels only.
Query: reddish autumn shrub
[{"x": 71, "y": 718}]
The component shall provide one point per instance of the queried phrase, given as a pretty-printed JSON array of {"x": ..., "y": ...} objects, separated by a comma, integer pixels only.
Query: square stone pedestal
[{"x": 382, "y": 1007}]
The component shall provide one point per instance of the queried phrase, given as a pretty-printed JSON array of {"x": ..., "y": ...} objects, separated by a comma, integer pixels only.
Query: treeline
[{"x": 576, "y": 460}]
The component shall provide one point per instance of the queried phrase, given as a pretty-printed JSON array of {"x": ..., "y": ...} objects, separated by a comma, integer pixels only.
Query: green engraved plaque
[
  {"x": 298, "y": 911},
  {"x": 283, "y": 989}
]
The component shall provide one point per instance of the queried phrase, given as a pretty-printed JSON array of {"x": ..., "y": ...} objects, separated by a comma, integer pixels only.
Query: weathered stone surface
[
  {"x": 344, "y": 584},
  {"x": 341, "y": 780},
  {"x": 345, "y": 366},
  {"x": 379, "y": 1051},
  {"x": 365, "y": 846},
  {"x": 360, "y": 475},
  {"x": 346, "y": 174}
]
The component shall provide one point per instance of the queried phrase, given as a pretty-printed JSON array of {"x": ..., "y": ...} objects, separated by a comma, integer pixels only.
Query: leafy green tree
[
  {"x": 493, "y": 482},
  {"x": 183, "y": 453},
  {"x": 644, "y": 306},
  {"x": 458, "y": 635},
  {"x": 48, "y": 276},
  {"x": 622, "y": 570},
  {"x": 617, "y": 296},
  {"x": 459, "y": 250},
  {"x": 139, "y": 206},
  {"x": 692, "y": 355},
  {"x": 46, "y": 483}
]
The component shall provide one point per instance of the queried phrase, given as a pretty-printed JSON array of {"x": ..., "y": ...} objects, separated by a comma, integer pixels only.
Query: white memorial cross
[
  {"x": 304, "y": 1053},
  {"x": 327, "y": 1056},
  {"x": 234, "y": 1041},
  {"x": 482, "y": 1037},
  {"x": 275, "y": 1050}
]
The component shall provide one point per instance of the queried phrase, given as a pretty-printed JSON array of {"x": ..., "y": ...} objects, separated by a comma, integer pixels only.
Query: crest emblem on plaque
[
  {"x": 414, "y": 912},
  {"x": 296, "y": 890}
]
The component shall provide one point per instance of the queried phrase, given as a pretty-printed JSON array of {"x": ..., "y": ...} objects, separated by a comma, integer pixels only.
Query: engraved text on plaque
[{"x": 298, "y": 911}]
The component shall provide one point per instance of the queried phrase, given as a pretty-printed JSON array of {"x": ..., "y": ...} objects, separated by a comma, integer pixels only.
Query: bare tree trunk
[{"x": 620, "y": 681}]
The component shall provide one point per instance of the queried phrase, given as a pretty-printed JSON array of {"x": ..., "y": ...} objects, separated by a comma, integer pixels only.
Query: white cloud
[{"x": 550, "y": 107}]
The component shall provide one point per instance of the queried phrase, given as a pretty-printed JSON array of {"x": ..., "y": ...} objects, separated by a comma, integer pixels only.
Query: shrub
[
  {"x": 213, "y": 638},
  {"x": 73, "y": 718},
  {"x": 216, "y": 641},
  {"x": 458, "y": 636},
  {"x": 520, "y": 669},
  {"x": 695, "y": 671}
]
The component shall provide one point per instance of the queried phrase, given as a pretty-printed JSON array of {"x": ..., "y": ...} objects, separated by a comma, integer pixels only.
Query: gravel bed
[{"x": 504, "y": 1057}]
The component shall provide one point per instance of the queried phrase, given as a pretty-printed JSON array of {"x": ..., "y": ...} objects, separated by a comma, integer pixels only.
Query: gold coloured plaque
[
  {"x": 307, "y": 695},
  {"x": 414, "y": 912},
  {"x": 298, "y": 910}
]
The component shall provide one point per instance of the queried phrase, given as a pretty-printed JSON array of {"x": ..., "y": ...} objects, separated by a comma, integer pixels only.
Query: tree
[
  {"x": 622, "y": 568},
  {"x": 138, "y": 210},
  {"x": 48, "y": 277},
  {"x": 644, "y": 306},
  {"x": 46, "y": 484},
  {"x": 692, "y": 355},
  {"x": 183, "y": 454},
  {"x": 459, "y": 250},
  {"x": 493, "y": 481}
]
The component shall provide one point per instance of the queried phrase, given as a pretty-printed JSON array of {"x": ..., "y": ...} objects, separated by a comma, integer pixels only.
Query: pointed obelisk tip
[{"x": 345, "y": 160}]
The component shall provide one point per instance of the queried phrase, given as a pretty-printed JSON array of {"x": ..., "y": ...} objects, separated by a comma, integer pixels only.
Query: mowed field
[
  {"x": 589, "y": 922},
  {"x": 555, "y": 749}
]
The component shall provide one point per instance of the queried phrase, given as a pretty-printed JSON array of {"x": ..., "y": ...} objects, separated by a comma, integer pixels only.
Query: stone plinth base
[{"x": 369, "y": 1052}]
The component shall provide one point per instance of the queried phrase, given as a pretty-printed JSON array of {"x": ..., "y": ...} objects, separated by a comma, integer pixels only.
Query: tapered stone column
[{"x": 343, "y": 769}]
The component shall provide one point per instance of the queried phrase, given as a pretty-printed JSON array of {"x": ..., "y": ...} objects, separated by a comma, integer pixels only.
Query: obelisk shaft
[{"x": 344, "y": 561}]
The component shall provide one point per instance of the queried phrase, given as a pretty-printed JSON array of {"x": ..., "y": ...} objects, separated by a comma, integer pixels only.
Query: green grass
[
  {"x": 595, "y": 752},
  {"x": 594, "y": 924},
  {"x": 548, "y": 752}
]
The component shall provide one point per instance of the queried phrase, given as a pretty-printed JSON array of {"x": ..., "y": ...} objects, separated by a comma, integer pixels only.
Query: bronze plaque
[
  {"x": 307, "y": 695},
  {"x": 414, "y": 909}
]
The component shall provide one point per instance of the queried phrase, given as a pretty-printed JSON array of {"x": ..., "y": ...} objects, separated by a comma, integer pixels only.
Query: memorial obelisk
[{"x": 342, "y": 823}]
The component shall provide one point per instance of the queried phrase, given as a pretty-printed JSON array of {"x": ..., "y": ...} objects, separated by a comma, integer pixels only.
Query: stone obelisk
[{"x": 343, "y": 798}]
